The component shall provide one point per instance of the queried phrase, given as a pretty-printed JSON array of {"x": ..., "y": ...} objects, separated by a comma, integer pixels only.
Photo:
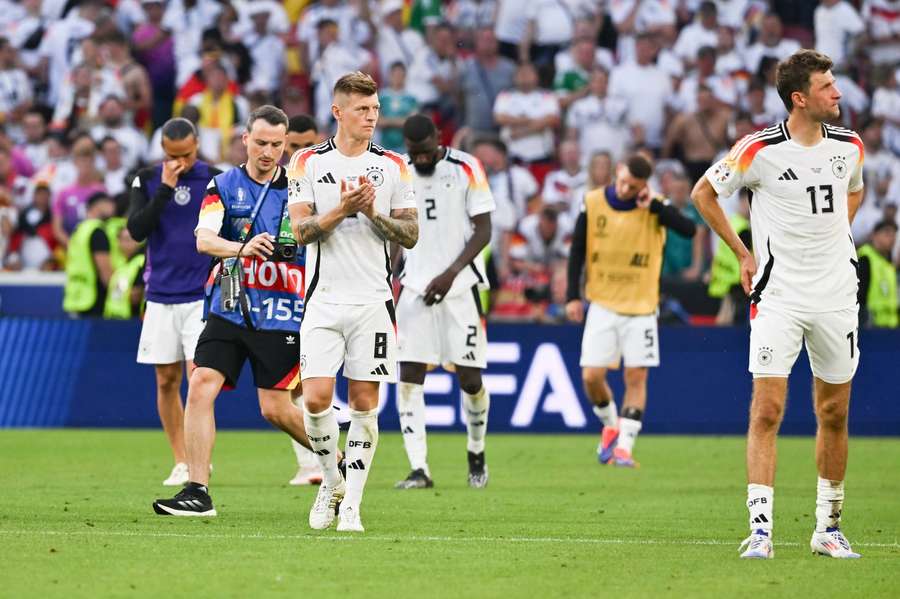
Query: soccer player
[
  {"x": 302, "y": 133},
  {"x": 439, "y": 309},
  {"x": 165, "y": 201},
  {"x": 244, "y": 222},
  {"x": 805, "y": 179},
  {"x": 348, "y": 199},
  {"x": 620, "y": 235}
]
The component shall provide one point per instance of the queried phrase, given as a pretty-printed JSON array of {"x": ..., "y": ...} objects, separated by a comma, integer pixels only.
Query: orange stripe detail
[
  {"x": 398, "y": 160},
  {"x": 297, "y": 166},
  {"x": 291, "y": 379},
  {"x": 211, "y": 203},
  {"x": 746, "y": 158}
]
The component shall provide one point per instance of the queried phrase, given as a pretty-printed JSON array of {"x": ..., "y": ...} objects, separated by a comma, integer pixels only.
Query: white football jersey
[
  {"x": 350, "y": 265},
  {"x": 457, "y": 191},
  {"x": 804, "y": 251}
]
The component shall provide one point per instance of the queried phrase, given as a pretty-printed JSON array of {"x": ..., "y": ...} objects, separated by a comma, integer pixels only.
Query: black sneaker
[
  {"x": 417, "y": 479},
  {"x": 193, "y": 500},
  {"x": 478, "y": 471}
]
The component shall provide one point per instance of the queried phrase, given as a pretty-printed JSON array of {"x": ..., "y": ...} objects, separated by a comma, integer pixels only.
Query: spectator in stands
[
  {"x": 125, "y": 295},
  {"x": 395, "y": 42},
  {"x": 886, "y": 106},
  {"x": 11, "y": 170},
  {"x": 528, "y": 116},
  {"x": 877, "y": 293},
  {"x": 220, "y": 109},
  {"x": 236, "y": 153},
  {"x": 62, "y": 37},
  {"x": 114, "y": 124},
  {"x": 34, "y": 132},
  {"x": 434, "y": 77},
  {"x": 337, "y": 58},
  {"x": 550, "y": 25},
  {"x": 396, "y": 105},
  {"x": 729, "y": 60},
  {"x": 632, "y": 18},
  {"x": 572, "y": 81},
  {"x": 8, "y": 217},
  {"x": 560, "y": 185},
  {"x": 645, "y": 88},
  {"x": 354, "y": 31},
  {"x": 302, "y": 133},
  {"x": 468, "y": 16},
  {"x": 510, "y": 24},
  {"x": 114, "y": 169},
  {"x": 771, "y": 43},
  {"x": 266, "y": 49},
  {"x": 838, "y": 27},
  {"x": 59, "y": 169},
  {"x": 186, "y": 20},
  {"x": 597, "y": 121},
  {"x": 685, "y": 257},
  {"x": 538, "y": 256},
  {"x": 70, "y": 203},
  {"x": 698, "y": 137},
  {"x": 881, "y": 176},
  {"x": 725, "y": 271},
  {"x": 88, "y": 263},
  {"x": 15, "y": 90},
  {"x": 135, "y": 80},
  {"x": 484, "y": 75},
  {"x": 883, "y": 20},
  {"x": 26, "y": 35},
  {"x": 723, "y": 87},
  {"x": 33, "y": 240},
  {"x": 599, "y": 174},
  {"x": 514, "y": 190},
  {"x": 154, "y": 49},
  {"x": 704, "y": 31}
]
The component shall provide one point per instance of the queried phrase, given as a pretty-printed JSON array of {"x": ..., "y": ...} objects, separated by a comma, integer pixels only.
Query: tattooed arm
[{"x": 401, "y": 227}]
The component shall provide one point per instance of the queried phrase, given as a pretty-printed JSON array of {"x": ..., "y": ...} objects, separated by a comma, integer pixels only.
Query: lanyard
[{"x": 256, "y": 207}]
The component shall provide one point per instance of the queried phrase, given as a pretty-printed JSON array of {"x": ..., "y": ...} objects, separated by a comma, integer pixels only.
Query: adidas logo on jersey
[
  {"x": 788, "y": 175},
  {"x": 382, "y": 370},
  {"x": 357, "y": 465},
  {"x": 469, "y": 356},
  {"x": 328, "y": 178}
]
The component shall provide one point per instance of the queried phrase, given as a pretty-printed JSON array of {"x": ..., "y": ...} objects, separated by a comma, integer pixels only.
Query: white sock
[
  {"x": 608, "y": 414},
  {"x": 476, "y": 408},
  {"x": 628, "y": 432},
  {"x": 760, "y": 500},
  {"x": 829, "y": 503},
  {"x": 322, "y": 430},
  {"x": 305, "y": 458},
  {"x": 362, "y": 438},
  {"x": 411, "y": 407}
]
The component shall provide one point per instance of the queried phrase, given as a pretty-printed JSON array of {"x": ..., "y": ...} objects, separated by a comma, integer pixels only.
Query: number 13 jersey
[{"x": 806, "y": 259}]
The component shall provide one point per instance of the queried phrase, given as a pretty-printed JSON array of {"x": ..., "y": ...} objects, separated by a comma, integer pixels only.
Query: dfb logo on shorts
[{"x": 764, "y": 356}]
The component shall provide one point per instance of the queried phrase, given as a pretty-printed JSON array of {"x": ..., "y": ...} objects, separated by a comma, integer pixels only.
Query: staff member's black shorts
[{"x": 274, "y": 355}]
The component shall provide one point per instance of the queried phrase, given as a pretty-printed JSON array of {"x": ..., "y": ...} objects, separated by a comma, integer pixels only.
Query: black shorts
[{"x": 274, "y": 355}]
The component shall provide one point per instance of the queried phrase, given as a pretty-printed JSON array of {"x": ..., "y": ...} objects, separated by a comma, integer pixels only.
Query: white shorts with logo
[
  {"x": 449, "y": 331},
  {"x": 776, "y": 336},
  {"x": 609, "y": 337},
  {"x": 169, "y": 333},
  {"x": 361, "y": 337}
]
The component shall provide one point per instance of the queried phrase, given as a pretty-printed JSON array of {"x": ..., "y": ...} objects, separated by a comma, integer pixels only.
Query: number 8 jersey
[
  {"x": 446, "y": 201},
  {"x": 806, "y": 259}
]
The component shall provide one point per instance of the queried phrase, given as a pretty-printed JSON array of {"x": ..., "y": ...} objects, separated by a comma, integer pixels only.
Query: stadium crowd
[{"x": 548, "y": 94}]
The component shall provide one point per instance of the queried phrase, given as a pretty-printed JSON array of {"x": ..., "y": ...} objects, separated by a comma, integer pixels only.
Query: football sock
[
  {"x": 322, "y": 430},
  {"x": 476, "y": 407},
  {"x": 760, "y": 499},
  {"x": 628, "y": 432},
  {"x": 829, "y": 503},
  {"x": 362, "y": 438},
  {"x": 608, "y": 414},
  {"x": 305, "y": 458},
  {"x": 411, "y": 406}
]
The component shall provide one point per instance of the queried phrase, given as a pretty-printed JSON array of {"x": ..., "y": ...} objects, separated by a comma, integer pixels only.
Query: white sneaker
[
  {"x": 759, "y": 546},
  {"x": 179, "y": 476},
  {"x": 306, "y": 475},
  {"x": 348, "y": 520},
  {"x": 322, "y": 513},
  {"x": 832, "y": 543}
]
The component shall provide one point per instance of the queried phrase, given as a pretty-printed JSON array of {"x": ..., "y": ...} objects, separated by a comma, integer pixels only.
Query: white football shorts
[
  {"x": 609, "y": 337},
  {"x": 169, "y": 333}
]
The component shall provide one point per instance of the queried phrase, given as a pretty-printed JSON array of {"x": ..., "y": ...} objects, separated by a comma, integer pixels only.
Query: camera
[{"x": 284, "y": 251}]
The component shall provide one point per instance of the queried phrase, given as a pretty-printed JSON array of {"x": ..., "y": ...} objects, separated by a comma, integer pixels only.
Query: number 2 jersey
[
  {"x": 806, "y": 259},
  {"x": 446, "y": 201}
]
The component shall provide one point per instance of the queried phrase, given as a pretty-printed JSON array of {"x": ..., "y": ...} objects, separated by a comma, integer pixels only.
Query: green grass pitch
[{"x": 75, "y": 521}]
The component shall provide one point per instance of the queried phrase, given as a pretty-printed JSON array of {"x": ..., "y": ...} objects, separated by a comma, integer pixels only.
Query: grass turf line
[{"x": 75, "y": 521}]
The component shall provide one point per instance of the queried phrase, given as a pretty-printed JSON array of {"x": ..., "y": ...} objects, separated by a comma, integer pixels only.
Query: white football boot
[
  {"x": 322, "y": 513},
  {"x": 832, "y": 543},
  {"x": 759, "y": 546}
]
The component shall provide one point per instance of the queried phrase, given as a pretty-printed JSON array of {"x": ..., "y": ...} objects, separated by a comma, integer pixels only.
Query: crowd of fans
[{"x": 548, "y": 94}]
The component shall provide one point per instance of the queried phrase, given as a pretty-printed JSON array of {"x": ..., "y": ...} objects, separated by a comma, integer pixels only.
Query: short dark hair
[
  {"x": 302, "y": 122},
  {"x": 418, "y": 128},
  {"x": 885, "y": 224},
  {"x": 178, "y": 128},
  {"x": 356, "y": 82},
  {"x": 106, "y": 139},
  {"x": 639, "y": 167},
  {"x": 792, "y": 74},
  {"x": 322, "y": 24},
  {"x": 492, "y": 141},
  {"x": 270, "y": 114},
  {"x": 98, "y": 196}
]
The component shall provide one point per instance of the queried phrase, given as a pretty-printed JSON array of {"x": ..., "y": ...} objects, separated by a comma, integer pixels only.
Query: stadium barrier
[{"x": 82, "y": 373}]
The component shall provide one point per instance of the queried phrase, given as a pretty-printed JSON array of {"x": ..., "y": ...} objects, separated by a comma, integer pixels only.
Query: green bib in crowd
[
  {"x": 81, "y": 273},
  {"x": 118, "y": 297},
  {"x": 113, "y": 227},
  {"x": 726, "y": 268},
  {"x": 881, "y": 297}
]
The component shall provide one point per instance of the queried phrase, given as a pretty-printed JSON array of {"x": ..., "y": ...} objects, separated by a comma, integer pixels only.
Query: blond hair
[{"x": 356, "y": 83}]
